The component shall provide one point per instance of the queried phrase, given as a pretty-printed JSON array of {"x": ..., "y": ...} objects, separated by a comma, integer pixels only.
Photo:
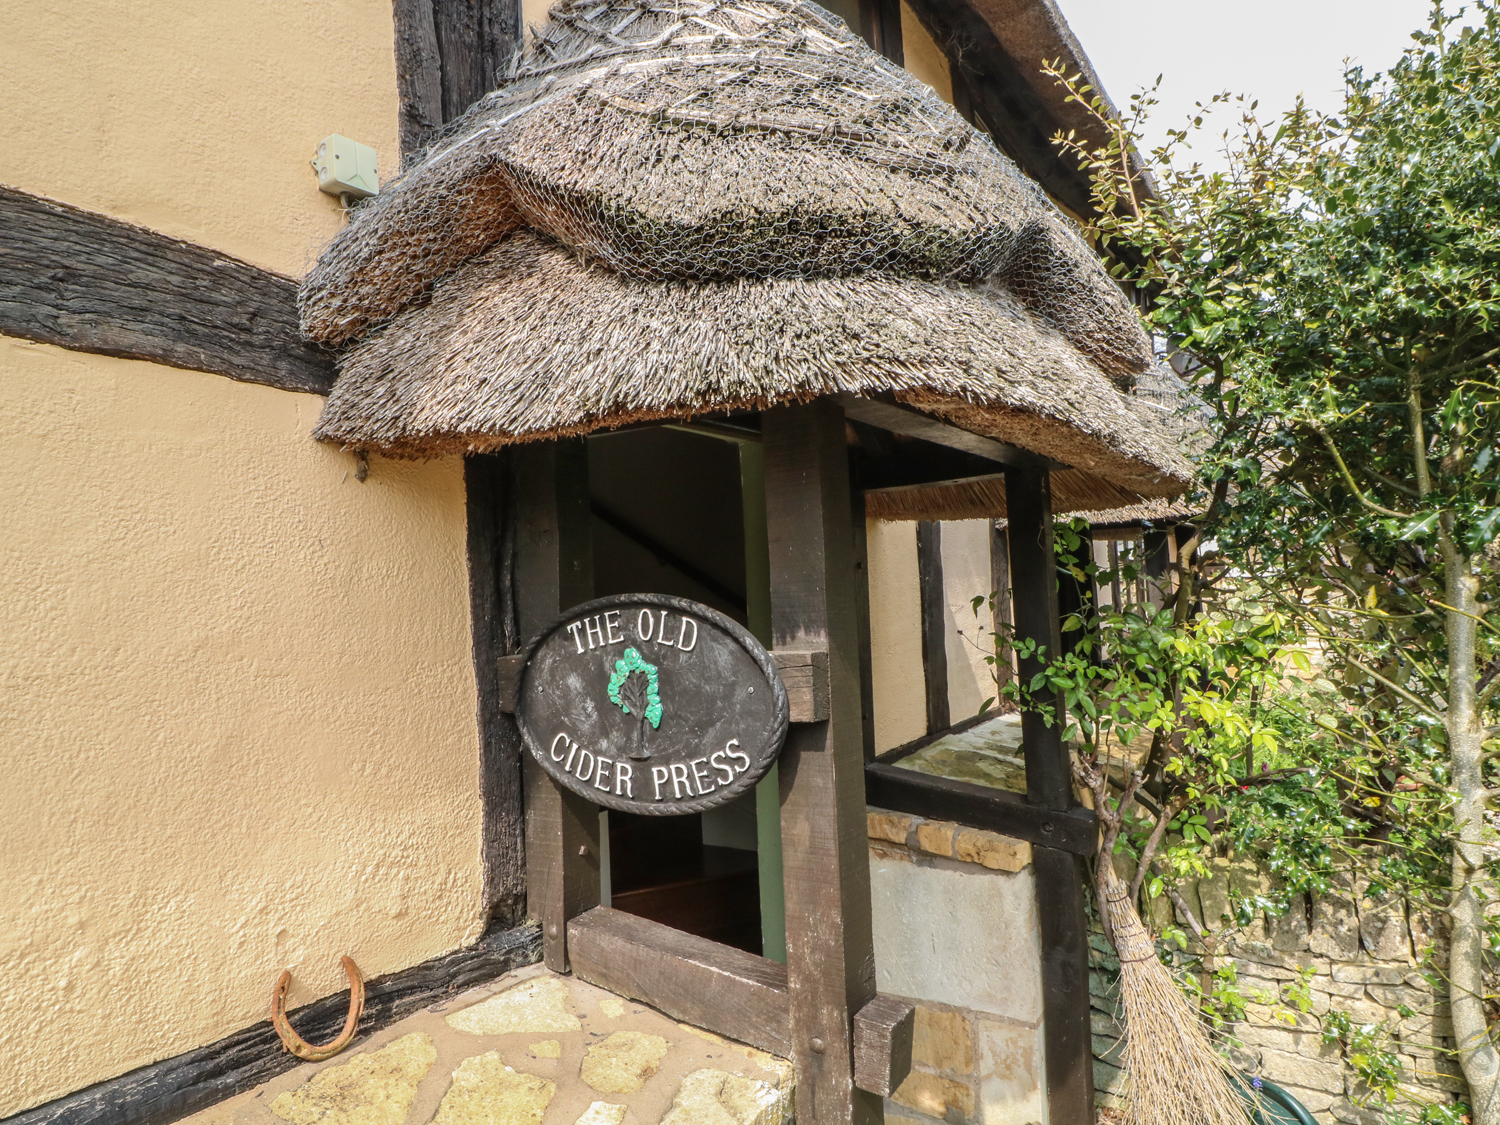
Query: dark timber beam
[
  {"x": 978, "y": 806},
  {"x": 1049, "y": 785},
  {"x": 880, "y": 24},
  {"x": 899, "y": 419},
  {"x": 1002, "y": 616},
  {"x": 1033, "y": 576},
  {"x": 880, "y": 459},
  {"x": 830, "y": 946},
  {"x": 554, "y": 570},
  {"x": 93, "y": 284},
  {"x": 496, "y": 638},
  {"x": 449, "y": 54},
  {"x": 419, "y": 74},
  {"x": 173, "y": 1088},
  {"x": 860, "y": 527},
  {"x": 690, "y": 978},
  {"x": 933, "y": 600}
]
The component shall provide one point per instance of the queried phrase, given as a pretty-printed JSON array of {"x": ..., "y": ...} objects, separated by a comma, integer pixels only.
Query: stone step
[{"x": 533, "y": 1048}]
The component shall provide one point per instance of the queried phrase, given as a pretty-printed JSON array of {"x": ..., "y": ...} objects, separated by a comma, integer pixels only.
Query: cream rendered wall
[
  {"x": 923, "y": 58},
  {"x": 899, "y": 691},
  {"x": 966, "y": 575},
  {"x": 196, "y": 117},
  {"x": 534, "y": 12},
  {"x": 237, "y": 711}
]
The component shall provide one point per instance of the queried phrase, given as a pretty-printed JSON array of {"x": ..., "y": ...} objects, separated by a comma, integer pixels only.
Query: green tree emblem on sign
[{"x": 633, "y": 689}]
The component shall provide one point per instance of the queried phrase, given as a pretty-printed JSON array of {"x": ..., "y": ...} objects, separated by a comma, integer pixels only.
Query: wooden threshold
[
  {"x": 712, "y": 986},
  {"x": 978, "y": 806},
  {"x": 727, "y": 991}
]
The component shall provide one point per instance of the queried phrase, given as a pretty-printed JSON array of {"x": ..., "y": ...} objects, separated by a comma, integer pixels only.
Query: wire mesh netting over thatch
[{"x": 706, "y": 206}]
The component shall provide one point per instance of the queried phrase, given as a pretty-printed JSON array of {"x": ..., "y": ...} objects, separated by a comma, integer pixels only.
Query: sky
[{"x": 1269, "y": 49}]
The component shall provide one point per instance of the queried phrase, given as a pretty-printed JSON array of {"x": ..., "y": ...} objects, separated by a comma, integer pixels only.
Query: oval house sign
[{"x": 651, "y": 704}]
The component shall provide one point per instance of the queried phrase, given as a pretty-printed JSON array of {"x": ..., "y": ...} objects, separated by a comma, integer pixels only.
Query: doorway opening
[{"x": 680, "y": 510}]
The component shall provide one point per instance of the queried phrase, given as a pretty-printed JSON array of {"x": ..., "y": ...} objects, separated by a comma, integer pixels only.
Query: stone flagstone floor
[{"x": 532, "y": 1048}]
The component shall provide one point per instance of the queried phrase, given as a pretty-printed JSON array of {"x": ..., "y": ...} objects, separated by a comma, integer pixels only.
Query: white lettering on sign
[
  {"x": 606, "y": 629},
  {"x": 659, "y": 718},
  {"x": 700, "y": 775},
  {"x": 693, "y": 779},
  {"x": 716, "y": 759}
]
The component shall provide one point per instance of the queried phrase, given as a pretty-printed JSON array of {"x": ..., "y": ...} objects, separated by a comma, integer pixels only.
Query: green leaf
[{"x": 1418, "y": 526}]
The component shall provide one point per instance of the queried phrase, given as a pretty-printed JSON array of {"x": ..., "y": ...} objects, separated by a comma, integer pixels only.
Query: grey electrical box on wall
[{"x": 346, "y": 167}]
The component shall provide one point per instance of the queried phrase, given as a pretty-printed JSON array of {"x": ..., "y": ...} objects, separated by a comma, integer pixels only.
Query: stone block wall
[
  {"x": 1340, "y": 952},
  {"x": 956, "y": 932}
]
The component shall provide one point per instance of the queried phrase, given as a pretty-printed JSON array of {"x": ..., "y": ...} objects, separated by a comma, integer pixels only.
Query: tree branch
[
  {"x": 1418, "y": 434},
  {"x": 1349, "y": 477},
  {"x": 1148, "y": 853}
]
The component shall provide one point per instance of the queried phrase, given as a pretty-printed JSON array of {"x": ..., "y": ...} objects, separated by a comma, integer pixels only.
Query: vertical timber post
[
  {"x": 859, "y": 525},
  {"x": 449, "y": 54},
  {"x": 758, "y": 621},
  {"x": 934, "y": 601},
  {"x": 1002, "y": 620},
  {"x": 554, "y": 570},
  {"x": 491, "y": 534},
  {"x": 830, "y": 947},
  {"x": 1059, "y": 874}
]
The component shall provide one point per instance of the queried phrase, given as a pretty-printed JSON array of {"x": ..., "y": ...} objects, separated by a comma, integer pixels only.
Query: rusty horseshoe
[{"x": 301, "y": 1047}]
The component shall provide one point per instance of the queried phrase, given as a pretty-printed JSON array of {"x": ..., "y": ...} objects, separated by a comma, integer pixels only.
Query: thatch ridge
[
  {"x": 528, "y": 342},
  {"x": 708, "y": 141}
]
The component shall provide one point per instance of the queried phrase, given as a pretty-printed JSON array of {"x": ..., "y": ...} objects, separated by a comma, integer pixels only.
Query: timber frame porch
[{"x": 529, "y": 544}]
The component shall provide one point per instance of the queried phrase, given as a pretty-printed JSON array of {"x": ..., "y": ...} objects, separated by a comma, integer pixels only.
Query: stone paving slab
[{"x": 532, "y": 1048}]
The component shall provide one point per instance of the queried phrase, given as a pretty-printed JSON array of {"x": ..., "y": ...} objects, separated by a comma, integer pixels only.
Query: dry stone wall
[{"x": 1340, "y": 954}]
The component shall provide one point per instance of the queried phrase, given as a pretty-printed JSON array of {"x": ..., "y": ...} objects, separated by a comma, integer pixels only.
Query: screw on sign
[{"x": 651, "y": 704}]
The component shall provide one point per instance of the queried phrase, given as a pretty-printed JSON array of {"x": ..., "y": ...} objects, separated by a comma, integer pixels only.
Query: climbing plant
[{"x": 1334, "y": 298}]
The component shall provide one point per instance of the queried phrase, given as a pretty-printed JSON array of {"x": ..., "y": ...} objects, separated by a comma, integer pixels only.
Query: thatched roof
[
  {"x": 1167, "y": 407},
  {"x": 675, "y": 209}
]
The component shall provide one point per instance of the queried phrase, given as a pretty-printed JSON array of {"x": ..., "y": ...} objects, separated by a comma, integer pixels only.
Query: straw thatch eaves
[
  {"x": 679, "y": 209},
  {"x": 1164, "y": 404}
]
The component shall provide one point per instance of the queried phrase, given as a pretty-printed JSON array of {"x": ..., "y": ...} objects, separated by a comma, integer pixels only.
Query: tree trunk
[{"x": 1471, "y": 883}]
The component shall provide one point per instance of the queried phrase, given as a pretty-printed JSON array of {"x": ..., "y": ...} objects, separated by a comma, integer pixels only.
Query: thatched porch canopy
[
  {"x": 1164, "y": 406},
  {"x": 682, "y": 209}
]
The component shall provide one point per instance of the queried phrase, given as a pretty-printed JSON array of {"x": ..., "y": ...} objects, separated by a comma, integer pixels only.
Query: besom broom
[{"x": 1175, "y": 1076}]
